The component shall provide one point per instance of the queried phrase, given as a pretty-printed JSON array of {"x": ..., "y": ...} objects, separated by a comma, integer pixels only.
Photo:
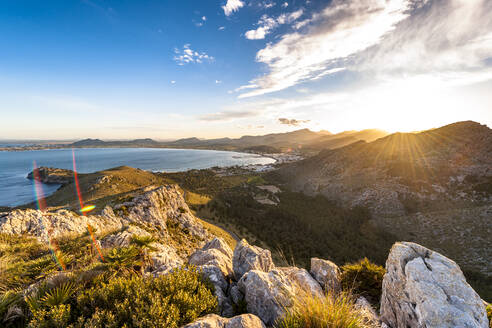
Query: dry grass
[{"x": 330, "y": 311}]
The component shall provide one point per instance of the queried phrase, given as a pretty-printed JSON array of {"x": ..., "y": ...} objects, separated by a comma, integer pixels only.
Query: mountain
[
  {"x": 299, "y": 139},
  {"x": 434, "y": 186},
  {"x": 120, "y": 143},
  {"x": 303, "y": 140}
]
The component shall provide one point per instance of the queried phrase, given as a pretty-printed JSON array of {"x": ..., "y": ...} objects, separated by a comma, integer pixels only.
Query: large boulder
[
  {"x": 216, "y": 252},
  {"x": 422, "y": 288},
  {"x": 326, "y": 273},
  {"x": 215, "y": 262},
  {"x": 215, "y": 321},
  {"x": 303, "y": 280},
  {"x": 267, "y": 294},
  {"x": 247, "y": 257}
]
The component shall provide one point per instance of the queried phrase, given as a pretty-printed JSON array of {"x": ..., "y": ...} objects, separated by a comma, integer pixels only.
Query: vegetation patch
[
  {"x": 364, "y": 278},
  {"x": 329, "y": 311}
]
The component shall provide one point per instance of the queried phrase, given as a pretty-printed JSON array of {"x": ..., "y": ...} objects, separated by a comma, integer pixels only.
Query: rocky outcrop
[
  {"x": 301, "y": 279},
  {"x": 326, "y": 273},
  {"x": 247, "y": 257},
  {"x": 50, "y": 175},
  {"x": 215, "y": 321},
  {"x": 422, "y": 288},
  {"x": 267, "y": 294},
  {"x": 158, "y": 206},
  {"x": 216, "y": 253},
  {"x": 215, "y": 262},
  {"x": 55, "y": 224},
  {"x": 123, "y": 238}
]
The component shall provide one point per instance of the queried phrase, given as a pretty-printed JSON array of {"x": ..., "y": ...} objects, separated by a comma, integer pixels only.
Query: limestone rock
[
  {"x": 235, "y": 294},
  {"x": 215, "y": 321},
  {"x": 422, "y": 288},
  {"x": 303, "y": 280},
  {"x": 55, "y": 224},
  {"x": 216, "y": 252},
  {"x": 267, "y": 294},
  {"x": 247, "y": 257},
  {"x": 165, "y": 258},
  {"x": 326, "y": 273},
  {"x": 215, "y": 275},
  {"x": 369, "y": 313},
  {"x": 123, "y": 238}
]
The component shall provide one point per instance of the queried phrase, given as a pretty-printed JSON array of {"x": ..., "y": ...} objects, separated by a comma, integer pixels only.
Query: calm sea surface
[{"x": 15, "y": 189}]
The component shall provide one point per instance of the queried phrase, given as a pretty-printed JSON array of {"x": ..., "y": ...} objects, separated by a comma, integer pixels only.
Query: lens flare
[
  {"x": 41, "y": 202},
  {"x": 87, "y": 208},
  {"x": 83, "y": 209}
]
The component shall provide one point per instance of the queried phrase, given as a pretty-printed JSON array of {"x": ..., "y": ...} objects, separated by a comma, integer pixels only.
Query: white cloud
[
  {"x": 267, "y": 24},
  {"x": 285, "y": 5},
  {"x": 204, "y": 18},
  {"x": 221, "y": 28},
  {"x": 187, "y": 55},
  {"x": 384, "y": 39},
  {"x": 218, "y": 81},
  {"x": 173, "y": 82},
  {"x": 232, "y": 6},
  {"x": 339, "y": 31},
  {"x": 267, "y": 4}
]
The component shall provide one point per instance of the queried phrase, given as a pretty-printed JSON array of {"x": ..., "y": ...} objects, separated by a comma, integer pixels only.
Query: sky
[{"x": 124, "y": 69}]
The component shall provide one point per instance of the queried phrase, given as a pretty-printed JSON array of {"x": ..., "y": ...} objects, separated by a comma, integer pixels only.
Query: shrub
[
  {"x": 330, "y": 311},
  {"x": 364, "y": 278},
  {"x": 167, "y": 301}
]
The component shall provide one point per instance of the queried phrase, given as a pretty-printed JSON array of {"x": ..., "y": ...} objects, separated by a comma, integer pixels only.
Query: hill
[
  {"x": 440, "y": 180},
  {"x": 303, "y": 140}
]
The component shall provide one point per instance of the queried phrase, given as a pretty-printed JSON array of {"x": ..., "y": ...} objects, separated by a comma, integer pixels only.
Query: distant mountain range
[{"x": 275, "y": 142}]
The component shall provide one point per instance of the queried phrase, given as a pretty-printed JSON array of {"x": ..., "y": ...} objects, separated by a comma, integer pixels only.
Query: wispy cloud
[
  {"x": 221, "y": 28},
  {"x": 267, "y": 24},
  {"x": 232, "y": 6},
  {"x": 385, "y": 39},
  {"x": 339, "y": 31},
  {"x": 228, "y": 115},
  {"x": 292, "y": 122},
  {"x": 188, "y": 55}
]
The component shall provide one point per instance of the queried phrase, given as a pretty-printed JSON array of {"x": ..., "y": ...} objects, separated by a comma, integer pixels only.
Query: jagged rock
[
  {"x": 165, "y": 258},
  {"x": 365, "y": 307},
  {"x": 326, "y": 273},
  {"x": 215, "y": 262},
  {"x": 236, "y": 295},
  {"x": 247, "y": 257},
  {"x": 215, "y": 321},
  {"x": 215, "y": 275},
  {"x": 123, "y": 238},
  {"x": 216, "y": 252},
  {"x": 157, "y": 206},
  {"x": 225, "y": 303},
  {"x": 55, "y": 224},
  {"x": 422, "y": 288},
  {"x": 267, "y": 294},
  {"x": 303, "y": 280}
]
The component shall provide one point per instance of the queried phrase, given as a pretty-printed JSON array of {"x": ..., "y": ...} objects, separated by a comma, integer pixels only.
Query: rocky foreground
[{"x": 421, "y": 288}]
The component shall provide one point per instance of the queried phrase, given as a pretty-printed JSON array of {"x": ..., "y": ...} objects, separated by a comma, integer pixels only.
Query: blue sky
[{"x": 172, "y": 69}]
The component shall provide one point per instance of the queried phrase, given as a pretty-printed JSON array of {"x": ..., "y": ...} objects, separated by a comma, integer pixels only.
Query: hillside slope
[{"x": 414, "y": 177}]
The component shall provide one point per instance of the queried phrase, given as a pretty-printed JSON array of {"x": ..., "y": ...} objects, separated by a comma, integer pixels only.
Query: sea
[{"x": 16, "y": 189}]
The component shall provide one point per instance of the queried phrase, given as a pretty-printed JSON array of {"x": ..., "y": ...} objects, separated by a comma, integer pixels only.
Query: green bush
[
  {"x": 167, "y": 301},
  {"x": 363, "y": 278}
]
